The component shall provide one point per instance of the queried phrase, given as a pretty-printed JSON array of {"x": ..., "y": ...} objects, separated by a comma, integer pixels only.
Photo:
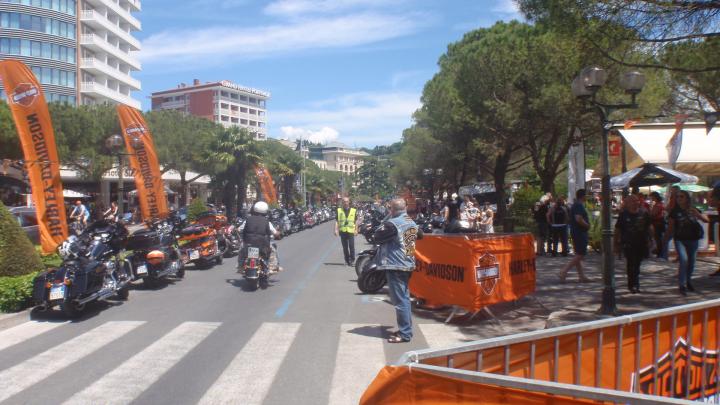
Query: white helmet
[{"x": 260, "y": 208}]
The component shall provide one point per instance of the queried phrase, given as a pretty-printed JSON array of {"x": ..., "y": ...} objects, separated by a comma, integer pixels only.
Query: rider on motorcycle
[{"x": 257, "y": 232}]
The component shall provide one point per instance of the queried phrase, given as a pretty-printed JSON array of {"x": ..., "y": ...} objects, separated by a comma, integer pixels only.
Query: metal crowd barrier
[{"x": 585, "y": 361}]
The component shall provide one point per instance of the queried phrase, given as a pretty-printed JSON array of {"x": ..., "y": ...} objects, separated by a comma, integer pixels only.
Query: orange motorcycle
[{"x": 199, "y": 245}]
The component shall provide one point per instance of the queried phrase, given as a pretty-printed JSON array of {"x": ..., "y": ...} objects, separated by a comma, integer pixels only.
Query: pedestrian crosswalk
[{"x": 245, "y": 379}]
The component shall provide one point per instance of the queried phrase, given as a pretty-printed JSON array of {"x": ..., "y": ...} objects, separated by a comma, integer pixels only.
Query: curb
[{"x": 9, "y": 320}]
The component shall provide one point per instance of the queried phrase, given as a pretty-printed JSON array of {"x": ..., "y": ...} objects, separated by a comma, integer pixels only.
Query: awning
[
  {"x": 167, "y": 191},
  {"x": 650, "y": 175},
  {"x": 72, "y": 194},
  {"x": 698, "y": 155}
]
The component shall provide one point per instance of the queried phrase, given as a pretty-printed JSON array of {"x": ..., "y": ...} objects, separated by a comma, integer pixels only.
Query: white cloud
[
  {"x": 506, "y": 7},
  {"x": 367, "y": 118},
  {"x": 323, "y": 135},
  {"x": 294, "y": 8},
  {"x": 218, "y": 45}
]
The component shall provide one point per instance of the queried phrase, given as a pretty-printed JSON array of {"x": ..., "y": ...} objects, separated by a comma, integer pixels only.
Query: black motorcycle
[
  {"x": 255, "y": 269},
  {"x": 91, "y": 270},
  {"x": 156, "y": 253},
  {"x": 232, "y": 234}
]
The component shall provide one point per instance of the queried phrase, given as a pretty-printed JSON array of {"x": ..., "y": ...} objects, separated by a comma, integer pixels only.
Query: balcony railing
[
  {"x": 93, "y": 63},
  {"x": 98, "y": 89},
  {"x": 103, "y": 45},
  {"x": 94, "y": 16}
]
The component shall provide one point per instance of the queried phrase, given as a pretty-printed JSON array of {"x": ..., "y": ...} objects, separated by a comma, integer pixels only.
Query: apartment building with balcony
[
  {"x": 43, "y": 35},
  {"x": 81, "y": 51},
  {"x": 224, "y": 102},
  {"x": 107, "y": 51}
]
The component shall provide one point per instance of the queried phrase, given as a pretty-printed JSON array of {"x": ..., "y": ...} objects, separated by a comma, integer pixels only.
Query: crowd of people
[{"x": 645, "y": 226}]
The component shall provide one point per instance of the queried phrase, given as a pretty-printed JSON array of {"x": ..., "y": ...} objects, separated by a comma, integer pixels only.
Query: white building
[
  {"x": 107, "y": 50},
  {"x": 339, "y": 157},
  {"x": 223, "y": 102}
]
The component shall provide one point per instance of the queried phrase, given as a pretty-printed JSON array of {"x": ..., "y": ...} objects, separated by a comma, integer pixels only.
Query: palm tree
[{"x": 234, "y": 153}]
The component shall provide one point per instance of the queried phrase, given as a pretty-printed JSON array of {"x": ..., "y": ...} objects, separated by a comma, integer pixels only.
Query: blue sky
[{"x": 338, "y": 70}]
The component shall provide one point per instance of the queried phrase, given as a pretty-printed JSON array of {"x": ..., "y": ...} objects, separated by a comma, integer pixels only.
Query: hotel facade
[
  {"x": 81, "y": 51},
  {"x": 224, "y": 102}
]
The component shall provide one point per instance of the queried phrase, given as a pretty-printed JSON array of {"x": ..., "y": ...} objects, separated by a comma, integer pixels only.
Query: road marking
[
  {"x": 360, "y": 357},
  {"x": 248, "y": 378},
  {"x": 130, "y": 379},
  {"x": 36, "y": 369},
  {"x": 289, "y": 300},
  {"x": 440, "y": 335},
  {"x": 25, "y": 331}
]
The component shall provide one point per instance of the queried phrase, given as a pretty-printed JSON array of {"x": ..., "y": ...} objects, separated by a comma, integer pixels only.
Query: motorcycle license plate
[
  {"x": 142, "y": 269},
  {"x": 194, "y": 255},
  {"x": 57, "y": 292},
  {"x": 253, "y": 253}
]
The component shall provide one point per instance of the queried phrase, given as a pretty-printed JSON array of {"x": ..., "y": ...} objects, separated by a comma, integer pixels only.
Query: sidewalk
[{"x": 556, "y": 304}]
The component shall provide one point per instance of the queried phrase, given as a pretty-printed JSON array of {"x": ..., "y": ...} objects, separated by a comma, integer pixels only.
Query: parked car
[{"x": 27, "y": 218}]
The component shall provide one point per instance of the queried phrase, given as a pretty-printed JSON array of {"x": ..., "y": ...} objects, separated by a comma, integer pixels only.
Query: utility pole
[{"x": 302, "y": 174}]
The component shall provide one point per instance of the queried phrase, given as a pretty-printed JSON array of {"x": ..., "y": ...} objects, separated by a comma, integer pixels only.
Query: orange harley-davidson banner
[
  {"x": 403, "y": 385},
  {"x": 473, "y": 271},
  {"x": 144, "y": 161},
  {"x": 32, "y": 120},
  {"x": 266, "y": 184}
]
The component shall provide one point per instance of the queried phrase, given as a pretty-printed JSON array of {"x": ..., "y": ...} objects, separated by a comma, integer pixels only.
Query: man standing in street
[
  {"x": 345, "y": 225},
  {"x": 633, "y": 233},
  {"x": 579, "y": 227},
  {"x": 396, "y": 256}
]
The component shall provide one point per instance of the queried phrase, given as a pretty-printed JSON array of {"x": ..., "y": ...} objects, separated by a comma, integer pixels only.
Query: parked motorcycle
[
  {"x": 156, "y": 253},
  {"x": 233, "y": 237},
  {"x": 255, "y": 268},
  {"x": 371, "y": 280},
  {"x": 199, "y": 245},
  {"x": 91, "y": 270}
]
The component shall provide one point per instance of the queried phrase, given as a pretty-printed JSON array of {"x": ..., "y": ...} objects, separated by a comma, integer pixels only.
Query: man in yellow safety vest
[{"x": 346, "y": 227}]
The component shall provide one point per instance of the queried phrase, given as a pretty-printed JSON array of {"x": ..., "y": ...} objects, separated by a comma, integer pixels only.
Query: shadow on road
[
  {"x": 91, "y": 310},
  {"x": 380, "y": 332},
  {"x": 245, "y": 285}
]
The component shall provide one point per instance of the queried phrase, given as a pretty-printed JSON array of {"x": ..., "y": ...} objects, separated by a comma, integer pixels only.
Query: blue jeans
[
  {"x": 400, "y": 298},
  {"x": 686, "y": 250}
]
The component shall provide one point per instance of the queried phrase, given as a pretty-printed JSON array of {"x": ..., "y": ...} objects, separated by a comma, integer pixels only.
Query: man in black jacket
[{"x": 257, "y": 232}]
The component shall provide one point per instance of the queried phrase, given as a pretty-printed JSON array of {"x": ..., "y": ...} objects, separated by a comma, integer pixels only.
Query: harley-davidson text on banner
[
  {"x": 144, "y": 161},
  {"x": 266, "y": 184},
  {"x": 34, "y": 127},
  {"x": 473, "y": 271}
]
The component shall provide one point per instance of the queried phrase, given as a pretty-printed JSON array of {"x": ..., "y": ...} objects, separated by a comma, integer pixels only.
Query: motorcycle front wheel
[
  {"x": 360, "y": 264},
  {"x": 371, "y": 281}
]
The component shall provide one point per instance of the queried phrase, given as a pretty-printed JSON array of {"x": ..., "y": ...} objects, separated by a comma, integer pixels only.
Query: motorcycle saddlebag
[
  {"x": 143, "y": 239},
  {"x": 39, "y": 290}
]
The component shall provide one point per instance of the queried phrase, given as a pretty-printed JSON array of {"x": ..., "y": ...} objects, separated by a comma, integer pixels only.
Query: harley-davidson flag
[
  {"x": 34, "y": 127},
  {"x": 144, "y": 161},
  {"x": 266, "y": 184}
]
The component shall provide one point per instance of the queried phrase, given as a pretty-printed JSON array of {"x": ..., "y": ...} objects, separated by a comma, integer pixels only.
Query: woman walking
[
  {"x": 686, "y": 230},
  {"x": 657, "y": 215}
]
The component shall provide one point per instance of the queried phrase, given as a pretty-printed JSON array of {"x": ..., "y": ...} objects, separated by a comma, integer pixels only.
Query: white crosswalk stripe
[
  {"x": 249, "y": 376},
  {"x": 360, "y": 356},
  {"x": 130, "y": 379},
  {"x": 36, "y": 369},
  {"x": 439, "y": 335},
  {"x": 25, "y": 331}
]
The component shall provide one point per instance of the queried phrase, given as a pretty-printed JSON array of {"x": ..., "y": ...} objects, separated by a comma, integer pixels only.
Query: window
[
  {"x": 253, "y": 112},
  {"x": 244, "y": 122},
  {"x": 243, "y": 110},
  {"x": 224, "y": 105},
  {"x": 234, "y": 120},
  {"x": 253, "y": 123},
  {"x": 35, "y": 48},
  {"x": 261, "y": 124},
  {"x": 261, "y": 113},
  {"x": 233, "y": 108},
  {"x": 224, "y": 93},
  {"x": 253, "y": 100},
  {"x": 224, "y": 118},
  {"x": 243, "y": 98},
  {"x": 233, "y": 96}
]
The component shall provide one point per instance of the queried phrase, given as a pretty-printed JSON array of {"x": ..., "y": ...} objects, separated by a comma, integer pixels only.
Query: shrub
[
  {"x": 17, "y": 254},
  {"x": 51, "y": 260},
  {"x": 196, "y": 207},
  {"x": 16, "y": 292}
]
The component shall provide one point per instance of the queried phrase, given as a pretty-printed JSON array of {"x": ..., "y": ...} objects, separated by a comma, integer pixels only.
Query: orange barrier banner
[
  {"x": 473, "y": 271},
  {"x": 403, "y": 385},
  {"x": 34, "y": 127},
  {"x": 266, "y": 184},
  {"x": 144, "y": 161}
]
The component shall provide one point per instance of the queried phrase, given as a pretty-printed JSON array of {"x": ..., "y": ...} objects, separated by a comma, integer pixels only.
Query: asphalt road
[{"x": 309, "y": 338}]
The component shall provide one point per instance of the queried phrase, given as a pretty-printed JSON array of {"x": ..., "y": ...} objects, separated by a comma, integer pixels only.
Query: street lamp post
[
  {"x": 585, "y": 87},
  {"x": 115, "y": 144}
]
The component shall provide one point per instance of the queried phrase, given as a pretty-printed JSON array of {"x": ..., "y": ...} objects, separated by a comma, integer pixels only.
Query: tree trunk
[
  {"x": 499, "y": 173},
  {"x": 547, "y": 182},
  {"x": 228, "y": 195},
  {"x": 241, "y": 192},
  {"x": 183, "y": 189}
]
